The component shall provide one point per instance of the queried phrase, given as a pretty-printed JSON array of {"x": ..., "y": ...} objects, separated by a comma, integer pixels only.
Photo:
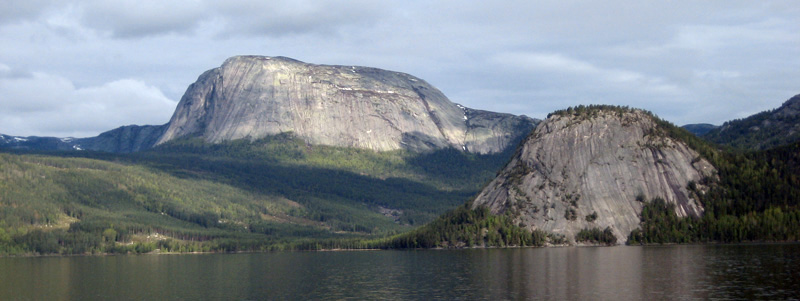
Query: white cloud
[{"x": 48, "y": 105}]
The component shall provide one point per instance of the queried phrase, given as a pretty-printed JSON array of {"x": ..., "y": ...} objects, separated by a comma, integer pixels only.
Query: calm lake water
[{"x": 767, "y": 271}]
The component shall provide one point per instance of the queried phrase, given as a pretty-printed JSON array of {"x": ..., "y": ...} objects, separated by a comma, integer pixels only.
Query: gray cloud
[
  {"x": 129, "y": 19},
  {"x": 687, "y": 61},
  {"x": 20, "y": 10},
  {"x": 7, "y": 72},
  {"x": 276, "y": 18},
  {"x": 140, "y": 18}
]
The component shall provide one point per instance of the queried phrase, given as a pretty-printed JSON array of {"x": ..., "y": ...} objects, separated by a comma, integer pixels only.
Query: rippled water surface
[{"x": 764, "y": 271}]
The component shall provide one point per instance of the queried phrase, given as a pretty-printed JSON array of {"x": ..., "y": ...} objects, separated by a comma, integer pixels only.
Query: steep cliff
[
  {"x": 255, "y": 96},
  {"x": 593, "y": 168}
]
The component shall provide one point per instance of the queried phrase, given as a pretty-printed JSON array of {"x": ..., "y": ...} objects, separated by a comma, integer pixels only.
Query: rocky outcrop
[
  {"x": 254, "y": 96},
  {"x": 593, "y": 169}
]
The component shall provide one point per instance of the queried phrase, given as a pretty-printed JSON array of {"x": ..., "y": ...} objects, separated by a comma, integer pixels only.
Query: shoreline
[{"x": 157, "y": 252}]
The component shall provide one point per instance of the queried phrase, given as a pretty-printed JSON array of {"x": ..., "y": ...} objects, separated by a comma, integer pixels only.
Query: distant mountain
[
  {"x": 368, "y": 108},
  {"x": 125, "y": 139},
  {"x": 700, "y": 129},
  {"x": 761, "y": 131}
]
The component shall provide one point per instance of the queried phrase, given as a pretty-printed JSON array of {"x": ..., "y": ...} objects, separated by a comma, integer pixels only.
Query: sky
[{"x": 78, "y": 68}]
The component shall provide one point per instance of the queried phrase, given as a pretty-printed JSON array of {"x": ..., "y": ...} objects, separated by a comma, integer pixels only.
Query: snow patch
[
  {"x": 77, "y": 147},
  {"x": 20, "y": 139},
  {"x": 67, "y": 140}
]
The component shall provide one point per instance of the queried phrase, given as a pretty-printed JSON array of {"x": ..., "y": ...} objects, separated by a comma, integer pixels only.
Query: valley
[{"x": 270, "y": 153}]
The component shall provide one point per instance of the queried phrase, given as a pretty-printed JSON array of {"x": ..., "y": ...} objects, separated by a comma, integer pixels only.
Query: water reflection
[{"x": 667, "y": 272}]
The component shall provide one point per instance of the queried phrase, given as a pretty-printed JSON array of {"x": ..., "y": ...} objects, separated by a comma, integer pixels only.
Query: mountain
[
  {"x": 125, "y": 139},
  {"x": 594, "y": 168},
  {"x": 761, "y": 131},
  {"x": 261, "y": 153},
  {"x": 252, "y": 97},
  {"x": 255, "y": 96},
  {"x": 700, "y": 129}
]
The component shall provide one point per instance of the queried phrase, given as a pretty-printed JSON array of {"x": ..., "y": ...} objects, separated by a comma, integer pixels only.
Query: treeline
[
  {"x": 660, "y": 224},
  {"x": 597, "y": 236},
  {"x": 466, "y": 227},
  {"x": 589, "y": 111}
]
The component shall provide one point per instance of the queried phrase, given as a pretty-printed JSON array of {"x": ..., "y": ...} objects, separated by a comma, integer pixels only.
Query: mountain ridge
[
  {"x": 768, "y": 129},
  {"x": 124, "y": 139}
]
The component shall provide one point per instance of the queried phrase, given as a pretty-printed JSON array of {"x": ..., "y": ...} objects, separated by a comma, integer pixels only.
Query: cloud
[
  {"x": 139, "y": 18},
  {"x": 554, "y": 63},
  {"x": 136, "y": 19},
  {"x": 19, "y": 10},
  {"x": 280, "y": 18},
  {"x": 48, "y": 105},
  {"x": 688, "y": 61},
  {"x": 7, "y": 72}
]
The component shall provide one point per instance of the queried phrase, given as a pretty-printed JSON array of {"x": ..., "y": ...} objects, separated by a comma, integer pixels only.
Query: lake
[{"x": 760, "y": 271}]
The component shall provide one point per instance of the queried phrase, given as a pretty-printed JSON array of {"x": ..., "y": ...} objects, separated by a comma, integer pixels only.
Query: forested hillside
[
  {"x": 761, "y": 131},
  {"x": 755, "y": 198},
  {"x": 273, "y": 193}
]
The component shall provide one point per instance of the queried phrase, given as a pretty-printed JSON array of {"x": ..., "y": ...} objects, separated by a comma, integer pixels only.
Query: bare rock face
[
  {"x": 602, "y": 163},
  {"x": 254, "y": 96}
]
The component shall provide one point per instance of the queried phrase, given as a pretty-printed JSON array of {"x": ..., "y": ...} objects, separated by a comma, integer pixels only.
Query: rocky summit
[
  {"x": 594, "y": 168},
  {"x": 255, "y": 96}
]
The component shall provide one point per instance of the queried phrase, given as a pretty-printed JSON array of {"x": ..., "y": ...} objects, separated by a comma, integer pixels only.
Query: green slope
[{"x": 276, "y": 192}]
